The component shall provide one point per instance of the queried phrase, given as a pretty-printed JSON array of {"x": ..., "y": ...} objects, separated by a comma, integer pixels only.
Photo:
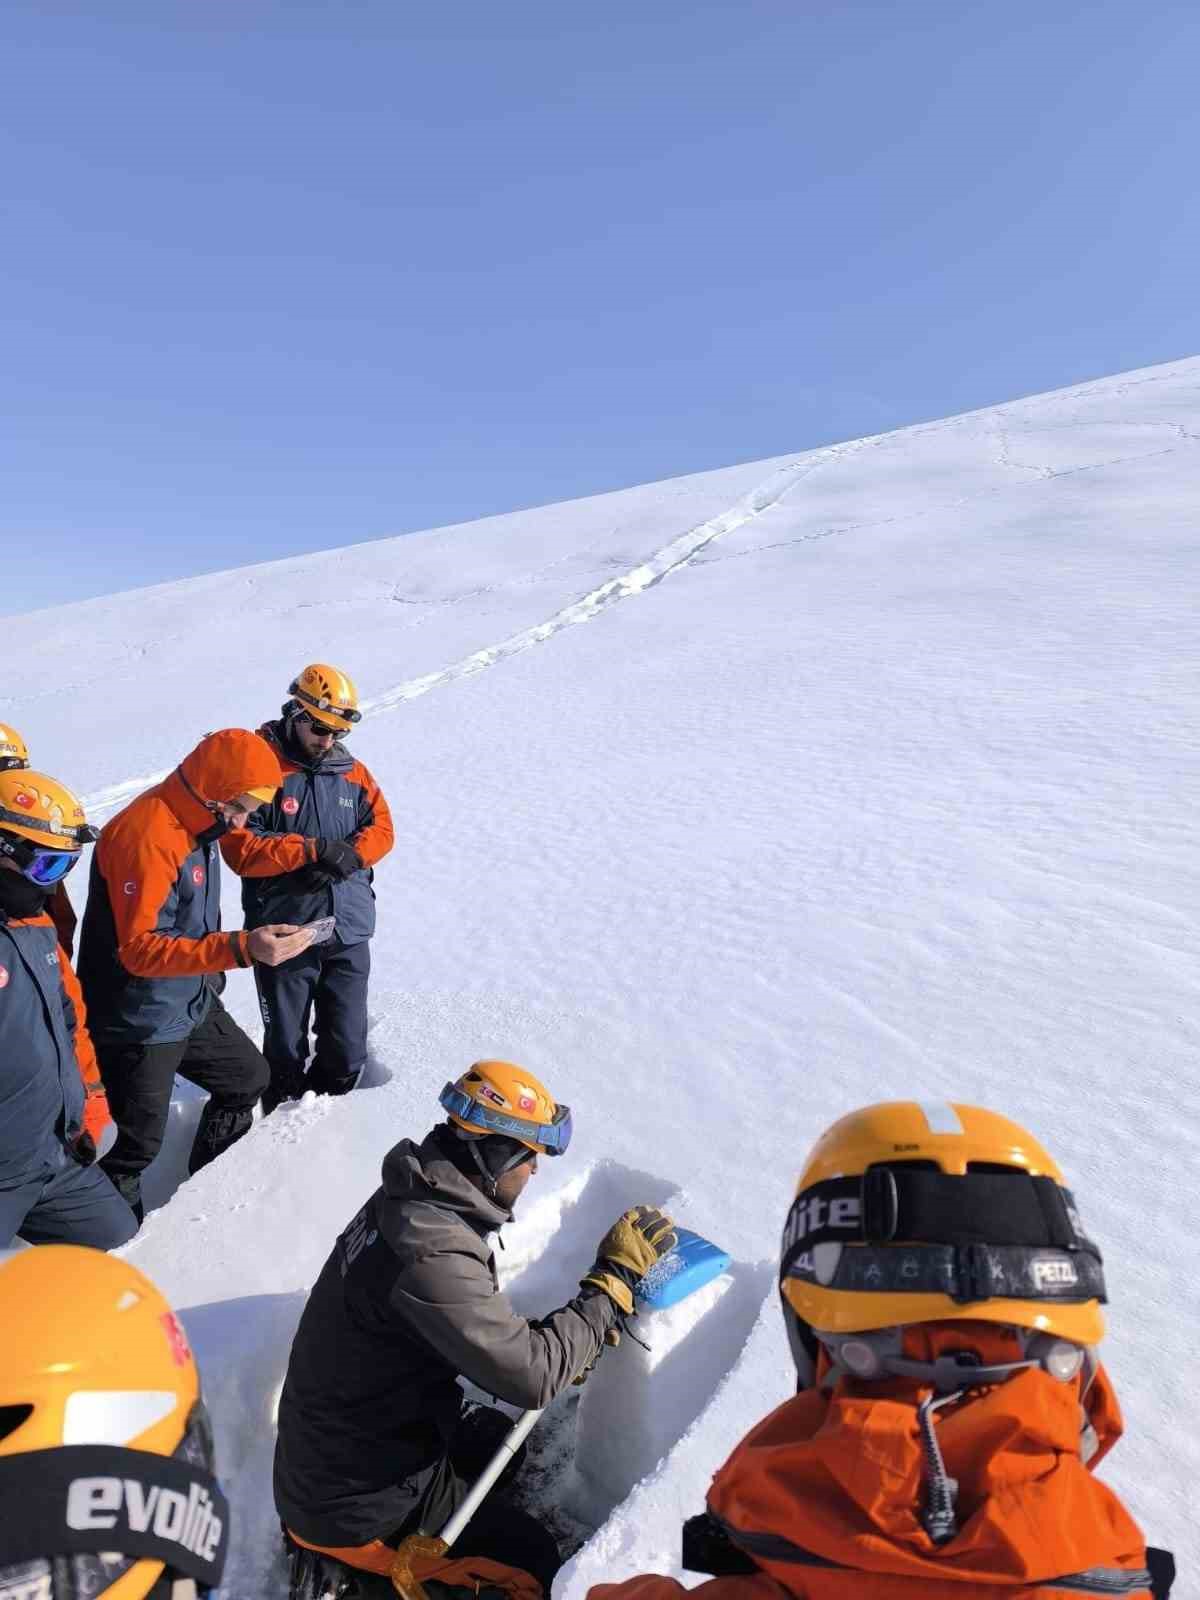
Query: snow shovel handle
[{"x": 506, "y": 1450}]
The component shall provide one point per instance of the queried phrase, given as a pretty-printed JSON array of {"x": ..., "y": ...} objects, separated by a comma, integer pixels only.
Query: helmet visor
[{"x": 553, "y": 1137}]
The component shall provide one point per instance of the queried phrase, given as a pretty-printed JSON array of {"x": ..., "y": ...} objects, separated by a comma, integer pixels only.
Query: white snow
[{"x": 727, "y": 804}]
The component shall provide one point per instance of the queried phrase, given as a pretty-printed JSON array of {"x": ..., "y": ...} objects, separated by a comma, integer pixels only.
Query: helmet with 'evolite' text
[{"x": 107, "y": 1485}]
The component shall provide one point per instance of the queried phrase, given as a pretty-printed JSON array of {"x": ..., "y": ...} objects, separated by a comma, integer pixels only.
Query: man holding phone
[
  {"x": 153, "y": 957},
  {"x": 305, "y": 858}
]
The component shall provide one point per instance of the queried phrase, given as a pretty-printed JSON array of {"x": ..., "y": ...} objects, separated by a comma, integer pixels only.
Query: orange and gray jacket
[
  {"x": 335, "y": 798},
  {"x": 822, "y": 1501},
  {"x": 151, "y": 931},
  {"x": 50, "y": 1090}
]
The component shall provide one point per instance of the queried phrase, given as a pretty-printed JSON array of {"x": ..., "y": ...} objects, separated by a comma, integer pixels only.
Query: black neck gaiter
[{"x": 19, "y": 898}]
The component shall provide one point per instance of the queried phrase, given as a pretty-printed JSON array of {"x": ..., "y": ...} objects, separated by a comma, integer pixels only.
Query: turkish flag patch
[
  {"x": 181, "y": 1352},
  {"x": 290, "y": 805},
  {"x": 197, "y": 876}
]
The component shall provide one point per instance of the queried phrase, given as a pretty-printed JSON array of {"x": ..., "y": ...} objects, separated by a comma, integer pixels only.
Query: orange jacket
[
  {"x": 62, "y": 914},
  {"x": 825, "y": 1496},
  {"x": 97, "y": 1118},
  {"x": 153, "y": 912}
]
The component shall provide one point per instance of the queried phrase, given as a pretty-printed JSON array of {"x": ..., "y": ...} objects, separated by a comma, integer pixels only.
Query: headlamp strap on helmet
[
  {"x": 71, "y": 837},
  {"x": 972, "y": 1237},
  {"x": 86, "y": 1498}
]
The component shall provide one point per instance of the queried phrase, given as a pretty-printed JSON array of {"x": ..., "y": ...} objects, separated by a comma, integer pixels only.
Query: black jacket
[{"x": 405, "y": 1304}]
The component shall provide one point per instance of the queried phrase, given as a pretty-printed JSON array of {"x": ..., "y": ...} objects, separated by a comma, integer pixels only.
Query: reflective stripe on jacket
[
  {"x": 336, "y": 798},
  {"x": 50, "y": 1087}
]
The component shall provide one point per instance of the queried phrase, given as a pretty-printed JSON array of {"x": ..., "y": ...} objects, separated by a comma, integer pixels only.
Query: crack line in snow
[{"x": 679, "y": 553}]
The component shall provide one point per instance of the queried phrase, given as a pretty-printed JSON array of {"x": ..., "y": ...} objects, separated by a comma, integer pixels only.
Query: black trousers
[
  {"x": 498, "y": 1530},
  {"x": 216, "y": 1056},
  {"x": 326, "y": 985}
]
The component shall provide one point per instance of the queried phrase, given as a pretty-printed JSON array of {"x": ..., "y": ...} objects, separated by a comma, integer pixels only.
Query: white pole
[{"x": 507, "y": 1450}]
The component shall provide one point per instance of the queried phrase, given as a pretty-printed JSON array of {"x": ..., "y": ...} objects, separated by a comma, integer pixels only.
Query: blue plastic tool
[{"x": 693, "y": 1262}]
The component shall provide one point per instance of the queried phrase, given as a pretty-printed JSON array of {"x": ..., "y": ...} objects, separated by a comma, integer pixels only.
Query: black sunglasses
[{"x": 322, "y": 728}]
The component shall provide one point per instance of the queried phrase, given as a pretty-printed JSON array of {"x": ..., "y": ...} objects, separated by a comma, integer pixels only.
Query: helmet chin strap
[{"x": 475, "y": 1150}]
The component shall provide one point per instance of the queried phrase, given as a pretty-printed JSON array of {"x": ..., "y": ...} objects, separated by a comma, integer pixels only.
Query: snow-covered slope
[{"x": 727, "y": 804}]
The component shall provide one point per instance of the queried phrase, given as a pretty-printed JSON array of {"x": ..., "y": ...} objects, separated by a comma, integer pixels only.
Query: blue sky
[{"x": 278, "y": 277}]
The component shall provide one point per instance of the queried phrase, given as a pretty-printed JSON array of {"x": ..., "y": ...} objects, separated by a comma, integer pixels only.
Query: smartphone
[{"x": 322, "y": 929}]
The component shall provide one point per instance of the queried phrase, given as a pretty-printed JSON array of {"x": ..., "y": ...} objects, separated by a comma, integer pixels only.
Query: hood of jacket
[
  {"x": 425, "y": 1173},
  {"x": 222, "y": 766},
  {"x": 841, "y": 1476}
]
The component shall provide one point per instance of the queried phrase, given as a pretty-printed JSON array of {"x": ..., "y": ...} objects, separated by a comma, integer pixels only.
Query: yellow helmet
[
  {"x": 327, "y": 696},
  {"x": 42, "y": 825},
  {"x": 106, "y": 1458},
  {"x": 13, "y": 750},
  {"x": 499, "y": 1097},
  {"x": 920, "y": 1211}
]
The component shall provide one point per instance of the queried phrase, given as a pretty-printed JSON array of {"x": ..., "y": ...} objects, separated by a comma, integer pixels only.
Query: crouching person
[
  {"x": 943, "y": 1310},
  {"x": 374, "y": 1441}
]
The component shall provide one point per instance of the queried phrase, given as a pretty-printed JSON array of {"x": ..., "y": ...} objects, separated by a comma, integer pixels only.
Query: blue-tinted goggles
[
  {"x": 43, "y": 867},
  {"x": 554, "y": 1137}
]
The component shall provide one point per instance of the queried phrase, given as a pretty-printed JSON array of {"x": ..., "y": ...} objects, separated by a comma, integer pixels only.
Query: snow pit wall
[{"x": 636, "y": 1403}]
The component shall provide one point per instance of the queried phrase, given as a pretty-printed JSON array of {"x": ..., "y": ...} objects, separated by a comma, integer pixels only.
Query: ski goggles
[
  {"x": 553, "y": 1137},
  {"x": 40, "y": 866}
]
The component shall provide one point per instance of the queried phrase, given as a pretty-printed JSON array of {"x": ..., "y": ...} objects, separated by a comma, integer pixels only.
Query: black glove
[{"x": 336, "y": 859}]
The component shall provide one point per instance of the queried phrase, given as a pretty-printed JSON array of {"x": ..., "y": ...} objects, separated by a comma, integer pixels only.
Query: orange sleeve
[
  {"x": 265, "y": 855},
  {"x": 62, "y": 914},
  {"x": 653, "y": 1586},
  {"x": 375, "y": 835},
  {"x": 141, "y": 877},
  {"x": 96, "y": 1115}
]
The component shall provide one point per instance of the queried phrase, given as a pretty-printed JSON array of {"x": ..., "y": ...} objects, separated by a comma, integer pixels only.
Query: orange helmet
[
  {"x": 919, "y": 1212},
  {"x": 499, "y": 1097},
  {"x": 326, "y": 696},
  {"x": 13, "y": 750},
  {"x": 106, "y": 1458},
  {"x": 42, "y": 825}
]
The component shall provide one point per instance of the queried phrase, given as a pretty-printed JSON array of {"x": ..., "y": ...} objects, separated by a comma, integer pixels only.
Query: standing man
[
  {"x": 152, "y": 955},
  {"x": 14, "y": 756},
  {"x": 53, "y": 1111},
  {"x": 308, "y": 854}
]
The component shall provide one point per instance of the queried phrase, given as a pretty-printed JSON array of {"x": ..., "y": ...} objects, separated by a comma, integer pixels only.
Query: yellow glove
[{"x": 636, "y": 1240}]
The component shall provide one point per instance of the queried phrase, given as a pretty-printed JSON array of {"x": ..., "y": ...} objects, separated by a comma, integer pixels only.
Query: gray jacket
[{"x": 406, "y": 1304}]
